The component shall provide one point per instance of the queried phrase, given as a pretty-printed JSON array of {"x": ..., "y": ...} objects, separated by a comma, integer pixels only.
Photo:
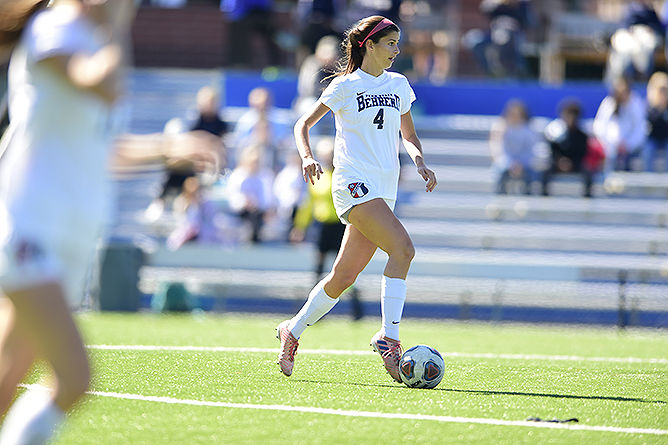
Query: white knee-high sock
[
  {"x": 33, "y": 419},
  {"x": 392, "y": 298},
  {"x": 317, "y": 305}
]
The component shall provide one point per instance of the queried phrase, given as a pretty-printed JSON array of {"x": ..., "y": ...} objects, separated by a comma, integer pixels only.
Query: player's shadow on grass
[
  {"x": 489, "y": 393},
  {"x": 370, "y": 385},
  {"x": 555, "y": 396}
]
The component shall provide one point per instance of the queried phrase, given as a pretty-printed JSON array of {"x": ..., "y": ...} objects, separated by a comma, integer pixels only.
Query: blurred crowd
[
  {"x": 628, "y": 133},
  {"x": 257, "y": 194},
  {"x": 286, "y": 33},
  {"x": 446, "y": 38},
  {"x": 261, "y": 196}
]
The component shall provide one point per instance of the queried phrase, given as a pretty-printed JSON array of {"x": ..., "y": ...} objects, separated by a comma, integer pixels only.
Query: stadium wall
[
  {"x": 455, "y": 97},
  {"x": 189, "y": 37}
]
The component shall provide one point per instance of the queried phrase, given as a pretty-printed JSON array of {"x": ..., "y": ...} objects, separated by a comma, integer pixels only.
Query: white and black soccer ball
[{"x": 421, "y": 367}]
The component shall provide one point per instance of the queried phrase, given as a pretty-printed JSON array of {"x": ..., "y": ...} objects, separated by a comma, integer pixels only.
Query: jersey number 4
[{"x": 379, "y": 119}]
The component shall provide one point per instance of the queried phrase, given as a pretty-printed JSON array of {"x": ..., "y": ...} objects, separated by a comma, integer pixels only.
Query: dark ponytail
[
  {"x": 353, "y": 50},
  {"x": 13, "y": 18}
]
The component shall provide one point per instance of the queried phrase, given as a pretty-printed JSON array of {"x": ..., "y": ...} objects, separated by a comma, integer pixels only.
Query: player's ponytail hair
[
  {"x": 13, "y": 18},
  {"x": 353, "y": 45}
]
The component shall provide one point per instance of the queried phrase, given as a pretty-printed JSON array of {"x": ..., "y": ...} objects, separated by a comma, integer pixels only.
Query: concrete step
[
  {"x": 453, "y": 151},
  {"x": 553, "y": 209},
  {"x": 538, "y": 236},
  {"x": 480, "y": 180}
]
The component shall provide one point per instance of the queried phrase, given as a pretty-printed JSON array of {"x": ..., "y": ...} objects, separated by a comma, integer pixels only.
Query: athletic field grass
[{"x": 211, "y": 379}]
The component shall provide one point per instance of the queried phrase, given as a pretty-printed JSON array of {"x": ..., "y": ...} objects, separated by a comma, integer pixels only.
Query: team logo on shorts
[{"x": 358, "y": 189}]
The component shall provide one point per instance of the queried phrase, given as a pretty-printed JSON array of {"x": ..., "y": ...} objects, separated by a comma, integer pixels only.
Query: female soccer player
[
  {"x": 371, "y": 106},
  {"x": 65, "y": 76}
]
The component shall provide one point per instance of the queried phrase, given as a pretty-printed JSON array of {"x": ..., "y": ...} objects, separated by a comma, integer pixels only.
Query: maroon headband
[{"x": 379, "y": 27}]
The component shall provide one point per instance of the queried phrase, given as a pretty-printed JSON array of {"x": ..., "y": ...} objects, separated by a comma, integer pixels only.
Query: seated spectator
[
  {"x": 634, "y": 44},
  {"x": 262, "y": 128},
  {"x": 512, "y": 143},
  {"x": 289, "y": 191},
  {"x": 317, "y": 20},
  {"x": 428, "y": 42},
  {"x": 657, "y": 119},
  {"x": 315, "y": 71},
  {"x": 249, "y": 189},
  {"x": 180, "y": 170},
  {"x": 568, "y": 146},
  {"x": 196, "y": 216},
  {"x": 208, "y": 113},
  {"x": 498, "y": 50},
  {"x": 620, "y": 126},
  {"x": 364, "y": 8},
  {"x": 209, "y": 120}
]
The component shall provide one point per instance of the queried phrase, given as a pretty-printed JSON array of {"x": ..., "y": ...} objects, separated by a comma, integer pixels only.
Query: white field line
[
  {"x": 372, "y": 414},
  {"x": 574, "y": 358}
]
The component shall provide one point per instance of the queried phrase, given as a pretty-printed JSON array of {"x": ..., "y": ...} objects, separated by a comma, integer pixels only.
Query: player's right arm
[
  {"x": 201, "y": 150},
  {"x": 310, "y": 167}
]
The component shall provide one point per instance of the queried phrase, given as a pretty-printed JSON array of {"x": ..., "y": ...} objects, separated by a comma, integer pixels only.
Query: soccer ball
[{"x": 421, "y": 367}]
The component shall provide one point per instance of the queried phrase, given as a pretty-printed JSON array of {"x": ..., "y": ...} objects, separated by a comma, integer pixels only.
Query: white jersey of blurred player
[
  {"x": 367, "y": 112},
  {"x": 54, "y": 191},
  {"x": 53, "y": 176}
]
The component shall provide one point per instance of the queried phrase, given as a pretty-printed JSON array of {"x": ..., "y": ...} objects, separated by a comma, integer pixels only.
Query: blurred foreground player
[
  {"x": 371, "y": 106},
  {"x": 65, "y": 76}
]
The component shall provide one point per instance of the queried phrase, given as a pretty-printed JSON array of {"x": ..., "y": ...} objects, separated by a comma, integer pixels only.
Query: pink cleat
[
  {"x": 390, "y": 351},
  {"x": 289, "y": 344}
]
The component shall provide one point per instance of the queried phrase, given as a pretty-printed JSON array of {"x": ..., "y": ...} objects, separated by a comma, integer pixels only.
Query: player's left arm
[{"x": 414, "y": 150}]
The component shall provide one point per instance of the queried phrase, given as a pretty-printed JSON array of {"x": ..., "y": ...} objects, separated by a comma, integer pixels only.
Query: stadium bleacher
[{"x": 479, "y": 255}]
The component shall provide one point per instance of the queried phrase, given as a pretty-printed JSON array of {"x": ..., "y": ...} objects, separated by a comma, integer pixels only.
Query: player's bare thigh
[
  {"x": 42, "y": 315},
  {"x": 16, "y": 354}
]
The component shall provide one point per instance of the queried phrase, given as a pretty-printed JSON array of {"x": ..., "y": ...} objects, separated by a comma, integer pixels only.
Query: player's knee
[{"x": 404, "y": 250}]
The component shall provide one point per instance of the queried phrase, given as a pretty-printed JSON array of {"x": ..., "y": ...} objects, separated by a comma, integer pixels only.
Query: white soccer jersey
[
  {"x": 59, "y": 142},
  {"x": 367, "y": 112},
  {"x": 54, "y": 188}
]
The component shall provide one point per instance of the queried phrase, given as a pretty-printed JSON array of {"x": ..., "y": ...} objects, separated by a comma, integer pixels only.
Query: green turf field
[{"x": 496, "y": 377}]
